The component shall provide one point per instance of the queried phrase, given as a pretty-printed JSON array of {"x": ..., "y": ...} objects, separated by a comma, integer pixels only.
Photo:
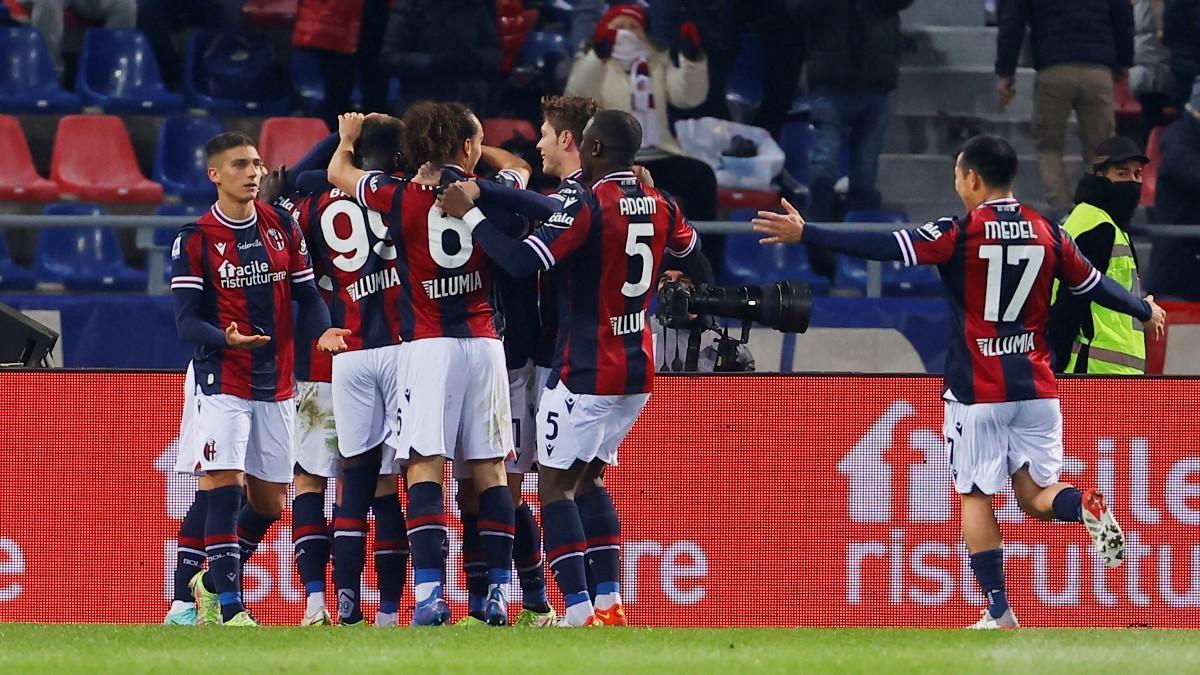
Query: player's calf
[
  {"x": 426, "y": 538},
  {"x": 603, "y": 554},
  {"x": 189, "y": 560},
  {"x": 359, "y": 475},
  {"x": 221, "y": 547},
  {"x": 310, "y": 541},
  {"x": 391, "y": 554}
]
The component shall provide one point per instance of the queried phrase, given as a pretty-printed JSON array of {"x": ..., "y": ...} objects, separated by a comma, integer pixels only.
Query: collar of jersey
[
  {"x": 1002, "y": 200},
  {"x": 616, "y": 175},
  {"x": 575, "y": 175},
  {"x": 230, "y": 222}
]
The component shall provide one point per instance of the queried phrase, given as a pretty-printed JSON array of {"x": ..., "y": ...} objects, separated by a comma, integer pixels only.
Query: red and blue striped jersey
[
  {"x": 447, "y": 279},
  {"x": 606, "y": 246},
  {"x": 998, "y": 266},
  {"x": 245, "y": 271},
  {"x": 355, "y": 265},
  {"x": 543, "y": 354}
]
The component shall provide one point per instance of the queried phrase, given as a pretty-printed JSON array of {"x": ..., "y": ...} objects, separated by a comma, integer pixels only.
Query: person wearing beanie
[
  {"x": 1174, "y": 269},
  {"x": 1085, "y": 337},
  {"x": 698, "y": 347}
]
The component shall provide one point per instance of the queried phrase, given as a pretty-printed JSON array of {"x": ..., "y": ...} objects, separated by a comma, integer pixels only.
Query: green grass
[{"x": 174, "y": 650}]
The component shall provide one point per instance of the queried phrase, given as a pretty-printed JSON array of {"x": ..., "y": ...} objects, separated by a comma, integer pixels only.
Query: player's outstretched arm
[
  {"x": 790, "y": 228},
  {"x": 342, "y": 173},
  {"x": 513, "y": 256},
  {"x": 507, "y": 162},
  {"x": 522, "y": 202},
  {"x": 1108, "y": 293}
]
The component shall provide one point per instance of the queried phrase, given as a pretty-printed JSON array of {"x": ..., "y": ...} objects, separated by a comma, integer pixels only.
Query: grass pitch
[{"x": 158, "y": 649}]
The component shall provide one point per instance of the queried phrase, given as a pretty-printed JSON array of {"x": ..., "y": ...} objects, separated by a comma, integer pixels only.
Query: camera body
[{"x": 785, "y": 306}]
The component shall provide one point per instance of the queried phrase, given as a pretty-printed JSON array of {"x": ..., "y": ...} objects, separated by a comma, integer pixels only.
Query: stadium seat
[
  {"x": 228, "y": 73},
  {"x": 83, "y": 258},
  {"x": 796, "y": 138},
  {"x": 1150, "y": 174},
  {"x": 744, "y": 85},
  {"x": 733, "y": 198},
  {"x": 270, "y": 13},
  {"x": 28, "y": 83},
  {"x": 512, "y": 24},
  {"x": 19, "y": 180},
  {"x": 305, "y": 70},
  {"x": 497, "y": 131},
  {"x": 179, "y": 162},
  {"x": 748, "y": 262},
  {"x": 1125, "y": 106},
  {"x": 118, "y": 73},
  {"x": 12, "y": 275},
  {"x": 896, "y": 279},
  {"x": 544, "y": 51},
  {"x": 93, "y": 160},
  {"x": 284, "y": 140}
]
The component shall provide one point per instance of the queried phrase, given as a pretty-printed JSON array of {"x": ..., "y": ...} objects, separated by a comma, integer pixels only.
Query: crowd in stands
[{"x": 817, "y": 75}]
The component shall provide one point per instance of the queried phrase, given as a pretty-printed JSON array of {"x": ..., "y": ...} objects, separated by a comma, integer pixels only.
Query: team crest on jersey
[
  {"x": 276, "y": 239},
  {"x": 210, "y": 449}
]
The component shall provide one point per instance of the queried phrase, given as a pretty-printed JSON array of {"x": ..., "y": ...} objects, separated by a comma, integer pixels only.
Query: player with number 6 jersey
[{"x": 1002, "y": 417}]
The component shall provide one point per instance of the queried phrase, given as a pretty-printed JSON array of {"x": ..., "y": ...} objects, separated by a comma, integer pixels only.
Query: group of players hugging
[{"x": 440, "y": 316}]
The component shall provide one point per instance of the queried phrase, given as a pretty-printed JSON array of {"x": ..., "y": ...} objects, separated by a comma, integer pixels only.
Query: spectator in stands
[
  {"x": 1181, "y": 28},
  {"x": 160, "y": 20},
  {"x": 346, "y": 35},
  {"x": 47, "y": 17},
  {"x": 1080, "y": 48},
  {"x": 1175, "y": 263},
  {"x": 622, "y": 70},
  {"x": 448, "y": 51},
  {"x": 1085, "y": 337},
  {"x": 852, "y": 51},
  {"x": 1150, "y": 77},
  {"x": 585, "y": 15},
  {"x": 703, "y": 346}
]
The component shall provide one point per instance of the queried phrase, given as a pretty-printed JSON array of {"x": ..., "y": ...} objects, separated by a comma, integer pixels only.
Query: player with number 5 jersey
[{"x": 607, "y": 244}]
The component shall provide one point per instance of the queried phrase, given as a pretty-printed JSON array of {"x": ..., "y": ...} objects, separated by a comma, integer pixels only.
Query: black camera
[{"x": 785, "y": 306}]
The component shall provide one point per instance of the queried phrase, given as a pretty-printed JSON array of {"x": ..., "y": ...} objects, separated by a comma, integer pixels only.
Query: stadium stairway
[{"x": 947, "y": 93}]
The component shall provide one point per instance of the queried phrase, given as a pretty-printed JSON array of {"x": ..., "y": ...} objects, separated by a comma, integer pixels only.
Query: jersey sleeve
[
  {"x": 1074, "y": 270},
  {"x": 510, "y": 178},
  {"x": 682, "y": 238},
  {"x": 187, "y": 267},
  {"x": 931, "y": 244},
  {"x": 377, "y": 190},
  {"x": 300, "y": 262},
  {"x": 564, "y": 231}
]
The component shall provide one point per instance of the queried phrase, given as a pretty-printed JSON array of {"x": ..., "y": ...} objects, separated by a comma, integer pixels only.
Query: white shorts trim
[
  {"x": 583, "y": 427},
  {"x": 241, "y": 435},
  {"x": 988, "y": 442}
]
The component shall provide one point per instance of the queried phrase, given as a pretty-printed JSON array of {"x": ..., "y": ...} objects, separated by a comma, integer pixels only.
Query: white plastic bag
[{"x": 707, "y": 137}]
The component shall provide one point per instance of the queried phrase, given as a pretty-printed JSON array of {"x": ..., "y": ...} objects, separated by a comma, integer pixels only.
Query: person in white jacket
[{"x": 623, "y": 70}]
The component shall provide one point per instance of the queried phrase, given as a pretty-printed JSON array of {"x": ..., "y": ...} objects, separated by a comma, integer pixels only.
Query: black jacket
[
  {"x": 1175, "y": 263},
  {"x": 1066, "y": 31},
  {"x": 851, "y": 45},
  {"x": 1181, "y": 35},
  {"x": 443, "y": 50}
]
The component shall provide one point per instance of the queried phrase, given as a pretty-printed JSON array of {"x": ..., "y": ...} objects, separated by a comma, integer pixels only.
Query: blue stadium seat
[
  {"x": 876, "y": 216},
  {"x": 748, "y": 262},
  {"x": 12, "y": 275},
  {"x": 83, "y": 258},
  {"x": 744, "y": 84},
  {"x": 118, "y": 73},
  {"x": 28, "y": 83},
  {"x": 306, "y": 80},
  {"x": 179, "y": 162},
  {"x": 544, "y": 50},
  {"x": 227, "y": 73},
  {"x": 165, "y": 236},
  {"x": 896, "y": 278},
  {"x": 796, "y": 138}
]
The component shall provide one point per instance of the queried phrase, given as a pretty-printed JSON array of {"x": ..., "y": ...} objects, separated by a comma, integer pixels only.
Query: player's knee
[
  {"x": 386, "y": 485},
  {"x": 515, "y": 482},
  {"x": 268, "y": 503},
  {"x": 307, "y": 482}
]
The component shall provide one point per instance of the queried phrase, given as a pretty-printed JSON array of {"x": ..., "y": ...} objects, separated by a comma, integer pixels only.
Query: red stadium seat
[
  {"x": 93, "y": 160},
  {"x": 498, "y": 130},
  {"x": 19, "y": 180},
  {"x": 513, "y": 23},
  {"x": 1150, "y": 175},
  {"x": 1125, "y": 106},
  {"x": 730, "y": 198},
  {"x": 18, "y": 11},
  {"x": 270, "y": 13},
  {"x": 284, "y": 140}
]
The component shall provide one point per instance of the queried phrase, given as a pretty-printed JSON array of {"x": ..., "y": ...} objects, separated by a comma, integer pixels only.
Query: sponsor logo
[
  {"x": 931, "y": 231},
  {"x": 451, "y": 286},
  {"x": 627, "y": 324},
  {"x": 243, "y": 246},
  {"x": 373, "y": 283},
  {"x": 561, "y": 218},
  {"x": 277, "y": 241},
  {"x": 1011, "y": 344},
  {"x": 638, "y": 206},
  {"x": 176, "y": 247},
  {"x": 253, "y": 273}
]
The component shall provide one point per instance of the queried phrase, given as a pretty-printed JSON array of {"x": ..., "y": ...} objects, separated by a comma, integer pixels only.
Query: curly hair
[
  {"x": 569, "y": 113},
  {"x": 434, "y": 132}
]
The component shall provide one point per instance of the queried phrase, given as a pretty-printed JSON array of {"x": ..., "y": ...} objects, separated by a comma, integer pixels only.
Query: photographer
[{"x": 704, "y": 345}]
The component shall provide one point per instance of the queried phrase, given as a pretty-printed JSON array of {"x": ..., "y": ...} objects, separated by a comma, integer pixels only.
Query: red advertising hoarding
[{"x": 745, "y": 501}]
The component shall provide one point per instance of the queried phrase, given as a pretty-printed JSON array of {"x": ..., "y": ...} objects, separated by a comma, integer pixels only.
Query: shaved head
[{"x": 612, "y": 138}]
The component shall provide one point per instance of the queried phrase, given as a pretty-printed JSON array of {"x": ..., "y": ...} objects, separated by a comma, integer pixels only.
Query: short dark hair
[
  {"x": 569, "y": 113},
  {"x": 379, "y": 142},
  {"x": 434, "y": 131},
  {"x": 992, "y": 158},
  {"x": 226, "y": 141},
  {"x": 619, "y": 133}
]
